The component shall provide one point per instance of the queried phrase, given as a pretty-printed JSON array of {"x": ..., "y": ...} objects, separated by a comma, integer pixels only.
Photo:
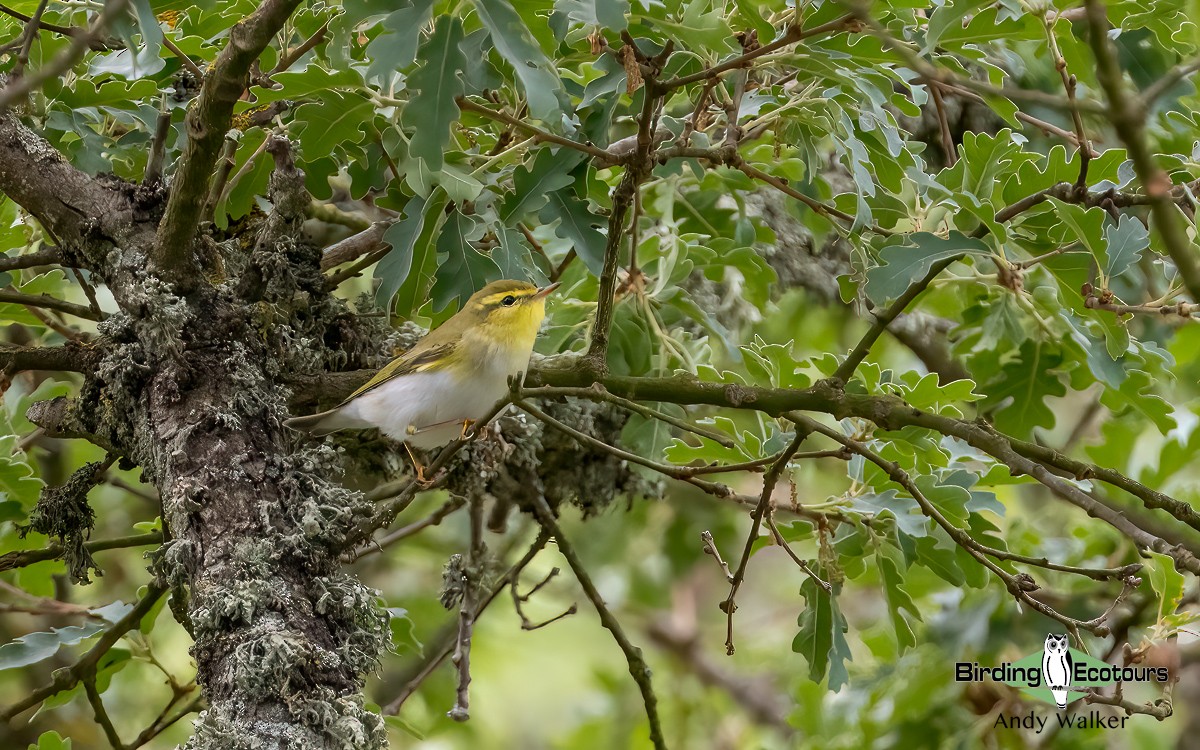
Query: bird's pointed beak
[{"x": 545, "y": 291}]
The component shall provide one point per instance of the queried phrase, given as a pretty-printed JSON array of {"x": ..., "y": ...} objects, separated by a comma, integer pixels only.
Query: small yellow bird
[{"x": 430, "y": 394}]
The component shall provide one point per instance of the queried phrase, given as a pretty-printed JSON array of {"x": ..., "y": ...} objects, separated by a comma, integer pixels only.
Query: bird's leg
[
  {"x": 467, "y": 424},
  {"x": 421, "y": 480}
]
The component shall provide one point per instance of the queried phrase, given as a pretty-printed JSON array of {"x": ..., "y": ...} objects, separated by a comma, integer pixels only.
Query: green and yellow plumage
[{"x": 456, "y": 373}]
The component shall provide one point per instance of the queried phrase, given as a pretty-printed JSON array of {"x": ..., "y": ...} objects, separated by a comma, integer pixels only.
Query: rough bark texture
[{"x": 186, "y": 387}]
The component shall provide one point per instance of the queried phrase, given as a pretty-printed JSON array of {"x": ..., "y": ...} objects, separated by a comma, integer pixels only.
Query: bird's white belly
[{"x": 412, "y": 408}]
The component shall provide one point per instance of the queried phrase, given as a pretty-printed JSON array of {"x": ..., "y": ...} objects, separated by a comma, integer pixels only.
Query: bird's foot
[{"x": 467, "y": 429}]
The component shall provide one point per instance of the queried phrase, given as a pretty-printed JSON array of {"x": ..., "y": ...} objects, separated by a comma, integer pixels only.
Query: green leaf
[
  {"x": 1087, "y": 226},
  {"x": 1126, "y": 241},
  {"x": 323, "y": 127},
  {"x": 432, "y": 110},
  {"x": 412, "y": 291},
  {"x": 393, "y": 269},
  {"x": 577, "y": 224},
  {"x": 510, "y": 34},
  {"x": 403, "y": 632},
  {"x": 396, "y": 47},
  {"x": 891, "y": 569},
  {"x": 52, "y": 741},
  {"x": 1019, "y": 390},
  {"x": 533, "y": 184},
  {"x": 514, "y": 257},
  {"x": 902, "y": 265},
  {"x": 463, "y": 270},
  {"x": 821, "y": 639},
  {"x": 1167, "y": 583},
  {"x": 607, "y": 14},
  {"x": 35, "y": 647}
]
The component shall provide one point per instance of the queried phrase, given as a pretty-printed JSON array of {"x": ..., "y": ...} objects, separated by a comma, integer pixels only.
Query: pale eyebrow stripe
[{"x": 495, "y": 298}]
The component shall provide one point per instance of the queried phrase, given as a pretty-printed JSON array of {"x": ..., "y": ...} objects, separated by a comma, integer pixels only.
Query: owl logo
[{"x": 1057, "y": 668}]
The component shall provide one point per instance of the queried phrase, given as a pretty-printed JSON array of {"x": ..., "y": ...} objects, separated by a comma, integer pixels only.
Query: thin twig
[
  {"x": 466, "y": 614},
  {"x": 1019, "y": 585},
  {"x": 443, "y": 511},
  {"x": 793, "y": 34},
  {"x": 518, "y": 600},
  {"x": 710, "y": 548},
  {"x": 55, "y": 325},
  {"x": 85, "y": 667},
  {"x": 50, "y": 303},
  {"x": 467, "y": 105},
  {"x": 781, "y": 542},
  {"x": 822, "y": 208},
  {"x": 434, "y": 656},
  {"x": 29, "y": 34},
  {"x": 935, "y": 93},
  {"x": 23, "y": 558},
  {"x": 1070, "y": 84},
  {"x": 729, "y": 606},
  {"x": 187, "y": 62},
  {"x": 289, "y": 59},
  {"x": 633, "y": 655},
  {"x": 598, "y": 393},
  {"x": 676, "y": 472}
]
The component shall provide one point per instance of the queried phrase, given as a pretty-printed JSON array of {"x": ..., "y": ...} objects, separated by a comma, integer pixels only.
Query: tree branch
[
  {"x": 85, "y": 668},
  {"x": 355, "y": 246},
  {"x": 792, "y": 35},
  {"x": 70, "y": 357},
  {"x": 1019, "y": 585},
  {"x": 21, "y": 559},
  {"x": 72, "y": 206},
  {"x": 207, "y": 121},
  {"x": 1127, "y": 115},
  {"x": 729, "y": 606},
  {"x": 436, "y": 654},
  {"x": 633, "y": 654},
  {"x": 50, "y": 303},
  {"x": 47, "y": 256},
  {"x": 288, "y": 60},
  {"x": 466, "y": 105}
]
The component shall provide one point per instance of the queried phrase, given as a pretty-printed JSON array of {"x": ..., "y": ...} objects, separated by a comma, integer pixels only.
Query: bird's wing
[{"x": 421, "y": 358}]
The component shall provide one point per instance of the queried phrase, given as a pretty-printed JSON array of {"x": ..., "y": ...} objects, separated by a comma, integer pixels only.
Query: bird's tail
[
  {"x": 325, "y": 422},
  {"x": 1060, "y": 698}
]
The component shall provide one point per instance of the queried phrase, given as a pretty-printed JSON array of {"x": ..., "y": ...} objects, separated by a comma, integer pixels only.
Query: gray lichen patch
[
  {"x": 528, "y": 459},
  {"x": 63, "y": 512}
]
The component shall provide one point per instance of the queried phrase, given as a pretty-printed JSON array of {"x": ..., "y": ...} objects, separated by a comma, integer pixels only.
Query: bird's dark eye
[{"x": 509, "y": 301}]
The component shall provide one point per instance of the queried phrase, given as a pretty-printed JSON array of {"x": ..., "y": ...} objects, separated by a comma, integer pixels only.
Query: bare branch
[
  {"x": 288, "y": 60},
  {"x": 633, "y": 655},
  {"x": 47, "y": 256},
  {"x": 436, "y": 654},
  {"x": 85, "y": 667},
  {"x": 158, "y": 148},
  {"x": 466, "y": 105},
  {"x": 366, "y": 242},
  {"x": 729, "y": 606},
  {"x": 50, "y": 303}
]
